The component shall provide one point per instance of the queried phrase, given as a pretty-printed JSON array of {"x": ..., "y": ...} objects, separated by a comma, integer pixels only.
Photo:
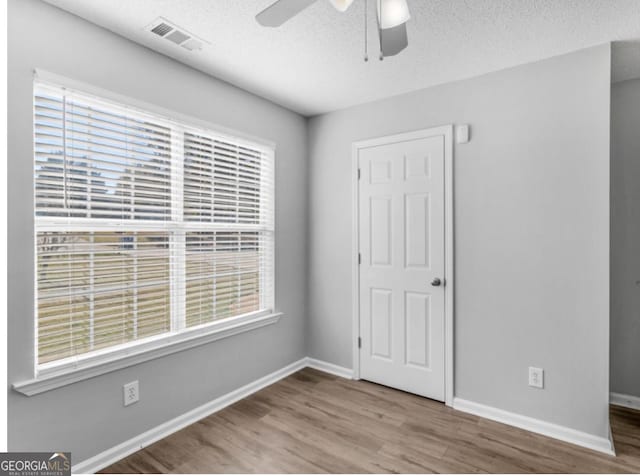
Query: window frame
[{"x": 75, "y": 368}]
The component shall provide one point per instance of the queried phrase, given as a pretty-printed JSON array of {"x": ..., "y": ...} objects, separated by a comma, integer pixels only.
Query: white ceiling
[{"x": 314, "y": 63}]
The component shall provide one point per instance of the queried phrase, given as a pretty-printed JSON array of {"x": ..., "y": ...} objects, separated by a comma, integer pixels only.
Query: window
[{"x": 145, "y": 227}]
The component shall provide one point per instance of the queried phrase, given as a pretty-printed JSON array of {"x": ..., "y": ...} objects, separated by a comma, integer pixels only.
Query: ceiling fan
[{"x": 392, "y": 20}]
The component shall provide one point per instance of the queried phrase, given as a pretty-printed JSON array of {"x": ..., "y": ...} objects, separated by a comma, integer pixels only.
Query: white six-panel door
[{"x": 402, "y": 257}]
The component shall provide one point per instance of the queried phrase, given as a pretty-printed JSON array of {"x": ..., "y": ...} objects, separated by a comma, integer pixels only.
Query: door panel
[
  {"x": 417, "y": 326},
  {"x": 381, "y": 330},
  {"x": 401, "y": 230},
  {"x": 416, "y": 231},
  {"x": 380, "y": 230}
]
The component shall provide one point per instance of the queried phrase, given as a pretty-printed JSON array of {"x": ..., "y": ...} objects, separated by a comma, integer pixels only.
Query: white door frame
[{"x": 447, "y": 132}]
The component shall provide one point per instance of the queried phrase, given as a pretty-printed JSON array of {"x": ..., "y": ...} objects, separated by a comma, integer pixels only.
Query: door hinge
[
  {"x": 359, "y": 258},
  {"x": 359, "y": 342},
  {"x": 358, "y": 174}
]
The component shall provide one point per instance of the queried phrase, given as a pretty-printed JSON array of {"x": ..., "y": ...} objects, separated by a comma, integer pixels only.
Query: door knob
[{"x": 436, "y": 282}]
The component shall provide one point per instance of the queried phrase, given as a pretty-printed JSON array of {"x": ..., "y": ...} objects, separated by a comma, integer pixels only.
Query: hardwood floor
[{"x": 312, "y": 422}]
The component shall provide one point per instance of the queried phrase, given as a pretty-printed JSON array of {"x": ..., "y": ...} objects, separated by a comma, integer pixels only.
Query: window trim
[
  {"x": 136, "y": 352},
  {"x": 77, "y": 368}
]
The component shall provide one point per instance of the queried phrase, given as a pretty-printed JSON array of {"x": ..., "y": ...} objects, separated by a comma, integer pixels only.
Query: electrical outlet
[
  {"x": 536, "y": 377},
  {"x": 131, "y": 393}
]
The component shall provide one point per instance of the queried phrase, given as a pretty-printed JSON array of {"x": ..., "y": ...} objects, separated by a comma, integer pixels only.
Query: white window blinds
[{"x": 144, "y": 226}]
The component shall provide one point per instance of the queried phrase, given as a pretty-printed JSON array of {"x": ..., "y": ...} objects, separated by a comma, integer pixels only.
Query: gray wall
[
  {"x": 88, "y": 417},
  {"x": 531, "y": 232},
  {"x": 625, "y": 237}
]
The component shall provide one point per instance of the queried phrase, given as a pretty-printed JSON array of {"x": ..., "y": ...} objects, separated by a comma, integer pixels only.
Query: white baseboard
[
  {"x": 329, "y": 368},
  {"x": 587, "y": 440},
  {"x": 622, "y": 400},
  {"x": 112, "y": 455}
]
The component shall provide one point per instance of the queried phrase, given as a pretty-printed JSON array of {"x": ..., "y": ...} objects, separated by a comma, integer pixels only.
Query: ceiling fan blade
[
  {"x": 393, "y": 40},
  {"x": 281, "y": 11}
]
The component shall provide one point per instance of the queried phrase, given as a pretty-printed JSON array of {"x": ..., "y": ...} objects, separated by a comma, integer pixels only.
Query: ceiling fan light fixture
[
  {"x": 392, "y": 13},
  {"x": 341, "y": 5}
]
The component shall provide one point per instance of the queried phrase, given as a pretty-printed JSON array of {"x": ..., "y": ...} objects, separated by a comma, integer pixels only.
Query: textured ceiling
[{"x": 314, "y": 63}]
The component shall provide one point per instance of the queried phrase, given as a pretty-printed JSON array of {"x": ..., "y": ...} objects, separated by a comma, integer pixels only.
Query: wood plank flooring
[{"x": 312, "y": 422}]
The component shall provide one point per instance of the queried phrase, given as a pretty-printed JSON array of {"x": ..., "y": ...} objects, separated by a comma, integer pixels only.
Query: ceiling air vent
[
  {"x": 162, "y": 29},
  {"x": 179, "y": 36}
]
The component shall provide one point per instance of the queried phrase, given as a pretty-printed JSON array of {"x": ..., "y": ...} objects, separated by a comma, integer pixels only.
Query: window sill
[{"x": 85, "y": 369}]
